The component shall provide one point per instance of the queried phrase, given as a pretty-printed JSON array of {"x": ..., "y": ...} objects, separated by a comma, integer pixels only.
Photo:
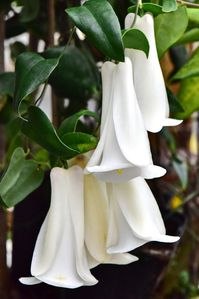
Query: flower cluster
[{"x": 99, "y": 214}]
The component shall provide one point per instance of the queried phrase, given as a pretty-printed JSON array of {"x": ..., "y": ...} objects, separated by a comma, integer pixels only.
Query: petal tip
[{"x": 169, "y": 122}]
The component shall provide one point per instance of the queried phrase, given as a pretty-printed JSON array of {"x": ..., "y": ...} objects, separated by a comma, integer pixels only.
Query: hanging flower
[
  {"x": 96, "y": 225},
  {"x": 123, "y": 151},
  {"x": 148, "y": 79},
  {"x": 134, "y": 217},
  {"x": 59, "y": 257}
]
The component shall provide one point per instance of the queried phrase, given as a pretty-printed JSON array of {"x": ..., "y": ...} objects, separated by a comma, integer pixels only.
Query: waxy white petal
[
  {"x": 96, "y": 225},
  {"x": 148, "y": 79},
  {"x": 29, "y": 280},
  {"x": 59, "y": 256},
  {"x": 123, "y": 151},
  {"x": 134, "y": 217}
]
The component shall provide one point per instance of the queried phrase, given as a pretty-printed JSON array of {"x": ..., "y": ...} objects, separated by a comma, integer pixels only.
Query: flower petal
[
  {"x": 123, "y": 151},
  {"x": 29, "y": 280},
  {"x": 129, "y": 127},
  {"x": 123, "y": 173},
  {"x": 96, "y": 225},
  {"x": 136, "y": 215},
  {"x": 120, "y": 237},
  {"x": 148, "y": 79},
  {"x": 169, "y": 122},
  {"x": 59, "y": 256},
  {"x": 76, "y": 202}
]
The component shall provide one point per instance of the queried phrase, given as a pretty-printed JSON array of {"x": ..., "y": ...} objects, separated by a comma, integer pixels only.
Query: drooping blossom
[
  {"x": 96, "y": 207},
  {"x": 148, "y": 78},
  {"x": 59, "y": 257},
  {"x": 123, "y": 151},
  {"x": 134, "y": 218}
]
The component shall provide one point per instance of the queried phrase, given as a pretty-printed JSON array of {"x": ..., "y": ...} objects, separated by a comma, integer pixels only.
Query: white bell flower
[
  {"x": 134, "y": 218},
  {"x": 123, "y": 151},
  {"x": 148, "y": 79},
  {"x": 96, "y": 225},
  {"x": 59, "y": 257}
]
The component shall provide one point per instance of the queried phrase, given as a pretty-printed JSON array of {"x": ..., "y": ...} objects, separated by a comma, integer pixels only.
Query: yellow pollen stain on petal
[
  {"x": 60, "y": 278},
  {"x": 120, "y": 171}
]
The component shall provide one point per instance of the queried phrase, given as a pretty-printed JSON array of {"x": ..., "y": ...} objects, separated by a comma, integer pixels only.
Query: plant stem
[
  {"x": 51, "y": 32},
  {"x": 138, "y": 4},
  {"x": 188, "y": 4}
]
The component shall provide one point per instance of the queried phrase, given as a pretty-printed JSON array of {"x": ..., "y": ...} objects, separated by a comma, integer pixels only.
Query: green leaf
[
  {"x": 99, "y": 22},
  {"x": 190, "y": 69},
  {"x": 31, "y": 71},
  {"x": 174, "y": 103},
  {"x": 80, "y": 142},
  {"x": 70, "y": 123},
  {"x": 7, "y": 83},
  {"x": 181, "y": 169},
  {"x": 39, "y": 129},
  {"x": 188, "y": 97},
  {"x": 169, "y": 27},
  {"x": 153, "y": 8},
  {"x": 169, "y": 5},
  {"x": 21, "y": 178},
  {"x": 16, "y": 49},
  {"x": 189, "y": 36},
  {"x": 74, "y": 77},
  {"x": 193, "y": 16},
  {"x": 135, "y": 39}
]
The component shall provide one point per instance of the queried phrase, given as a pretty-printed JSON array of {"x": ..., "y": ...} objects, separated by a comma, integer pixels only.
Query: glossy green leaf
[
  {"x": 80, "y": 142},
  {"x": 169, "y": 5},
  {"x": 31, "y": 71},
  {"x": 189, "y": 36},
  {"x": 193, "y": 15},
  {"x": 135, "y": 39},
  {"x": 40, "y": 130},
  {"x": 70, "y": 123},
  {"x": 190, "y": 69},
  {"x": 99, "y": 22},
  {"x": 188, "y": 97},
  {"x": 7, "y": 83},
  {"x": 16, "y": 49},
  {"x": 74, "y": 77},
  {"x": 169, "y": 27},
  {"x": 21, "y": 178},
  {"x": 153, "y": 8}
]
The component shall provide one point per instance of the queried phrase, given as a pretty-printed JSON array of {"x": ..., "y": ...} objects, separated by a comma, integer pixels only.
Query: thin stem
[
  {"x": 189, "y": 4},
  {"x": 138, "y": 4},
  {"x": 68, "y": 42},
  {"x": 40, "y": 98}
]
